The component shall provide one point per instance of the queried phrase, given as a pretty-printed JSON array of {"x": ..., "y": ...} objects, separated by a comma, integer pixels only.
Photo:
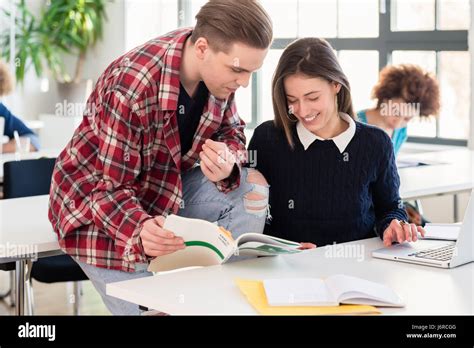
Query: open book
[
  {"x": 208, "y": 244},
  {"x": 331, "y": 291}
]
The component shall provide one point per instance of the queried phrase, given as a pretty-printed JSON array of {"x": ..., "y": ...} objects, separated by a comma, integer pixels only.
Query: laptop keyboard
[{"x": 443, "y": 253}]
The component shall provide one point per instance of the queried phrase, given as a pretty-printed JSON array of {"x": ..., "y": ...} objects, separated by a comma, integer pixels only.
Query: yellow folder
[{"x": 254, "y": 291}]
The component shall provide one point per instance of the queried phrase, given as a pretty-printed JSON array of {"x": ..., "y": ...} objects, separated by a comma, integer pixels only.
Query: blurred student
[
  {"x": 13, "y": 123},
  {"x": 402, "y": 93}
]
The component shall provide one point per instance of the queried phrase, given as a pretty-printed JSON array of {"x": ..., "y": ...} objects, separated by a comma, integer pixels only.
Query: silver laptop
[{"x": 436, "y": 253}]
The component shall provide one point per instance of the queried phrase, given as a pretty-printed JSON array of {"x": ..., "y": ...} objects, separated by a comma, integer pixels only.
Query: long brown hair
[{"x": 312, "y": 57}]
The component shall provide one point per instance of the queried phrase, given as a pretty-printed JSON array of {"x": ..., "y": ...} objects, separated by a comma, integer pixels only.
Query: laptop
[{"x": 436, "y": 253}]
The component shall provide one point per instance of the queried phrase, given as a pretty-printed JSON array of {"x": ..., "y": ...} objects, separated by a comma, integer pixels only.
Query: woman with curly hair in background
[
  {"x": 12, "y": 123},
  {"x": 402, "y": 93}
]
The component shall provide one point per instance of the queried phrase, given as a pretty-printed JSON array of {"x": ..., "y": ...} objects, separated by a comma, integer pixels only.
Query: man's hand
[
  {"x": 217, "y": 162},
  {"x": 401, "y": 231},
  {"x": 157, "y": 241}
]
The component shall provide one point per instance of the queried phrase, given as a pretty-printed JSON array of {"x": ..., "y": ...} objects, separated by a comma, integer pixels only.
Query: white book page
[
  {"x": 264, "y": 249},
  {"x": 352, "y": 290},
  {"x": 442, "y": 231},
  {"x": 298, "y": 292},
  {"x": 263, "y": 238}
]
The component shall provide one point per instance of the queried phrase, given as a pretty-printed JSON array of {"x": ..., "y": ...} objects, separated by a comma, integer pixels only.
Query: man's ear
[{"x": 200, "y": 47}]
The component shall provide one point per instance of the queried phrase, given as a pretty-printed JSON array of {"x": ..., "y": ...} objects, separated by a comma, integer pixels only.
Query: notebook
[
  {"x": 254, "y": 292},
  {"x": 332, "y": 291}
]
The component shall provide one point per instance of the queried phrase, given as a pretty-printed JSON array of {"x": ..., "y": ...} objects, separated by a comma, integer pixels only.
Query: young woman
[
  {"x": 402, "y": 92},
  {"x": 331, "y": 179}
]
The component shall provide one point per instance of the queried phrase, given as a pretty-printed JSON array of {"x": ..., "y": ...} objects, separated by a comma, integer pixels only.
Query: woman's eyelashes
[{"x": 294, "y": 101}]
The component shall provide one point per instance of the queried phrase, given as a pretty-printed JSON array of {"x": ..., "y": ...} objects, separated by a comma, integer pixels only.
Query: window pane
[
  {"x": 413, "y": 15},
  {"x": 243, "y": 99},
  {"x": 147, "y": 19},
  {"x": 454, "y": 69},
  {"x": 268, "y": 69},
  {"x": 283, "y": 14},
  {"x": 317, "y": 18},
  {"x": 424, "y": 127},
  {"x": 358, "y": 18},
  {"x": 425, "y": 59},
  {"x": 453, "y": 14},
  {"x": 195, "y": 7},
  {"x": 362, "y": 70}
]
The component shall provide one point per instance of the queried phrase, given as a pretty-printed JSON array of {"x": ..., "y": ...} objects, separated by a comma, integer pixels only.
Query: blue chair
[{"x": 32, "y": 178}]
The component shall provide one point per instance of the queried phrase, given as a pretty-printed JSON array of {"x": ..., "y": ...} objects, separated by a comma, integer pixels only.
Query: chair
[{"x": 32, "y": 178}]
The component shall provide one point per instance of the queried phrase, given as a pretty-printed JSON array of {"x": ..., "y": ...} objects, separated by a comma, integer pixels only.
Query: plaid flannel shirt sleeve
[
  {"x": 115, "y": 206},
  {"x": 231, "y": 132}
]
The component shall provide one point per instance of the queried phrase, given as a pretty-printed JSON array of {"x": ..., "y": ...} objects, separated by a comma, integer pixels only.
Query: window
[
  {"x": 145, "y": 19},
  {"x": 368, "y": 35}
]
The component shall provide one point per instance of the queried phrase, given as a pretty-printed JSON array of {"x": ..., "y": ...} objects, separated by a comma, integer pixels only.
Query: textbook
[
  {"x": 332, "y": 291},
  {"x": 208, "y": 244}
]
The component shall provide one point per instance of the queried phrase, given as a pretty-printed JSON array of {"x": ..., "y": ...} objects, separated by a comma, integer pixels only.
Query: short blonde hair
[{"x": 6, "y": 79}]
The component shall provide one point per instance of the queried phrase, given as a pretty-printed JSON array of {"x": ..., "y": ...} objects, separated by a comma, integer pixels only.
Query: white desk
[
  {"x": 212, "y": 290},
  {"x": 8, "y": 157},
  {"x": 456, "y": 175},
  {"x": 25, "y": 234}
]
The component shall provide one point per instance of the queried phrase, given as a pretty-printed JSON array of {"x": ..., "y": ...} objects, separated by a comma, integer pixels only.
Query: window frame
[{"x": 386, "y": 42}]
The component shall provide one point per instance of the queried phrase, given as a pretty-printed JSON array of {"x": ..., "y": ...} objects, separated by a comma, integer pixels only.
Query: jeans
[{"x": 202, "y": 200}]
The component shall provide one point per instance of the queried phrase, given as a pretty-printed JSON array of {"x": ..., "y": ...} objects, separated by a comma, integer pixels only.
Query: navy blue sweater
[{"x": 323, "y": 196}]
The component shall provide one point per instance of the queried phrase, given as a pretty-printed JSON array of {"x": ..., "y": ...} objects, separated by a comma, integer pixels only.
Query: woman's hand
[
  {"x": 400, "y": 231},
  {"x": 305, "y": 246}
]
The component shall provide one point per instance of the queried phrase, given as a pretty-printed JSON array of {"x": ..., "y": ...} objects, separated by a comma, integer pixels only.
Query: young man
[{"x": 154, "y": 115}]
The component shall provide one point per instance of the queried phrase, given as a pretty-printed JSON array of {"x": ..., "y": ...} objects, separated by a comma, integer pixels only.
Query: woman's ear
[{"x": 337, "y": 87}]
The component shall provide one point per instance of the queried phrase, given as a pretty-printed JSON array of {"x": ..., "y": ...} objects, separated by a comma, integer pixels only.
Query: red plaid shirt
[{"x": 123, "y": 163}]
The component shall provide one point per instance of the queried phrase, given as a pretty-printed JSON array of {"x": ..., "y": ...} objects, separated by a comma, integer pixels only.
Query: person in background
[
  {"x": 332, "y": 179},
  {"x": 402, "y": 93},
  {"x": 13, "y": 123}
]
